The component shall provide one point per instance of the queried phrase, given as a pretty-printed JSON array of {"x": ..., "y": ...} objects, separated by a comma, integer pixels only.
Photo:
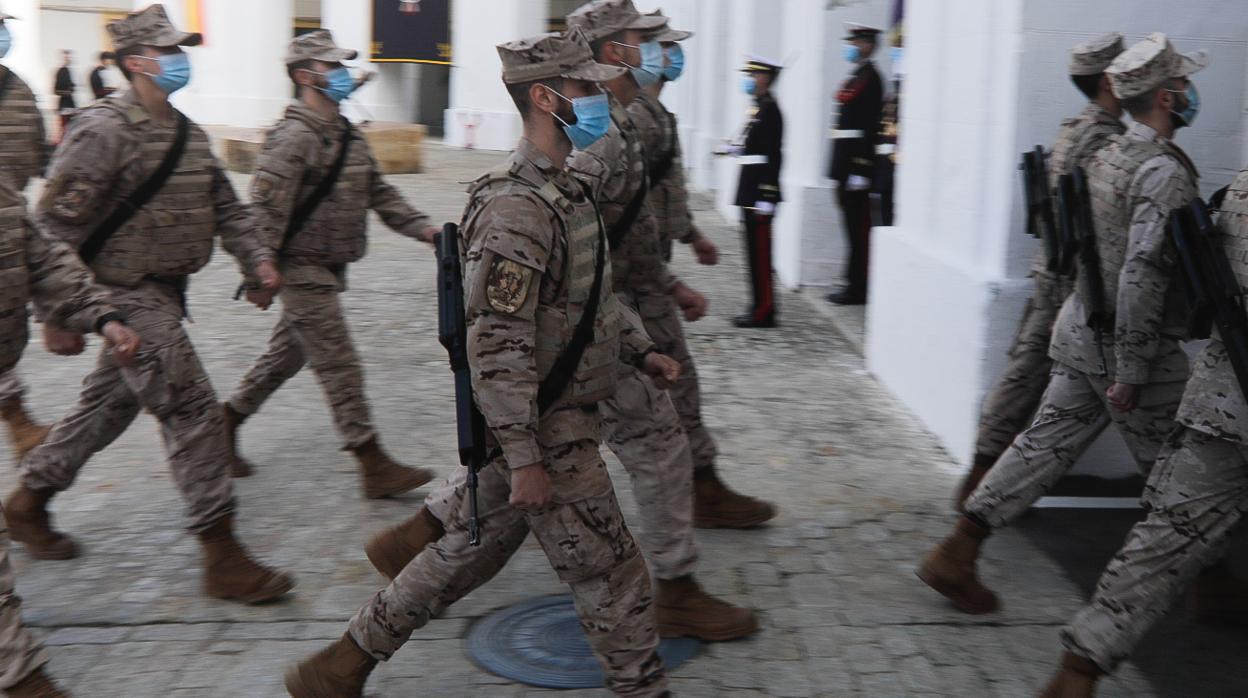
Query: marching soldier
[
  {"x": 1008, "y": 409},
  {"x": 1135, "y": 380},
  {"x": 23, "y": 155},
  {"x": 136, "y": 190},
  {"x": 315, "y": 182},
  {"x": 534, "y": 250},
  {"x": 861, "y": 101}
]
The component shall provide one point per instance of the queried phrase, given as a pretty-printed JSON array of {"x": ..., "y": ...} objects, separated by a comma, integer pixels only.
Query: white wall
[{"x": 24, "y": 57}]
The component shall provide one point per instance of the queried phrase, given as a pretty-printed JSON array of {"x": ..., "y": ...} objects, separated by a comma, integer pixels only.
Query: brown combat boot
[
  {"x": 978, "y": 470},
  {"x": 1076, "y": 679},
  {"x": 950, "y": 569},
  {"x": 1218, "y": 597},
  {"x": 35, "y": 685},
  {"x": 231, "y": 574},
  {"x": 338, "y": 671},
  {"x": 24, "y": 432},
  {"x": 239, "y": 466},
  {"x": 393, "y": 548},
  {"x": 685, "y": 610},
  {"x": 26, "y": 513},
  {"x": 717, "y": 506},
  {"x": 383, "y": 477}
]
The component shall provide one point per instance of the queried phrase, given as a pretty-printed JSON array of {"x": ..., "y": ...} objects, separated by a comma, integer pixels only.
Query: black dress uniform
[
  {"x": 761, "y": 157},
  {"x": 861, "y": 100}
]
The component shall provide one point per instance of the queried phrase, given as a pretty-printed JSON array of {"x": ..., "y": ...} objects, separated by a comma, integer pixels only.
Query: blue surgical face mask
[
  {"x": 651, "y": 68},
  {"x": 851, "y": 53},
  {"x": 1187, "y": 117},
  {"x": 748, "y": 85},
  {"x": 6, "y": 41},
  {"x": 593, "y": 119},
  {"x": 175, "y": 72},
  {"x": 675, "y": 63},
  {"x": 339, "y": 84}
]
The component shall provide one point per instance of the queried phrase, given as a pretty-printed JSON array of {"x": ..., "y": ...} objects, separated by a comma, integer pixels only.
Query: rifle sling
[
  {"x": 322, "y": 191},
  {"x": 629, "y": 217}
]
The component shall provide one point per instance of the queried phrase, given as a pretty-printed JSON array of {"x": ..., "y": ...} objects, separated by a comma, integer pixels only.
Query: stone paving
[{"x": 863, "y": 489}]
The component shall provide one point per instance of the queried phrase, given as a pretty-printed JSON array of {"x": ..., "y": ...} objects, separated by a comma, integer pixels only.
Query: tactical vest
[
  {"x": 21, "y": 137},
  {"x": 596, "y": 374},
  {"x": 14, "y": 282},
  {"x": 173, "y": 234},
  {"x": 336, "y": 233},
  {"x": 1234, "y": 225}
]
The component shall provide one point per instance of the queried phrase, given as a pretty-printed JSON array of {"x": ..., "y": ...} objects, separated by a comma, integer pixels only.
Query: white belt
[
  {"x": 752, "y": 159},
  {"x": 840, "y": 133},
  {"x": 886, "y": 149}
]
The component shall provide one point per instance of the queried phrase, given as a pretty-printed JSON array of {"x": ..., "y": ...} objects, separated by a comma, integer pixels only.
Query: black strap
[
  {"x": 556, "y": 382},
  {"x": 323, "y": 189},
  {"x": 139, "y": 197},
  {"x": 4, "y": 82},
  {"x": 629, "y": 217},
  {"x": 663, "y": 168}
]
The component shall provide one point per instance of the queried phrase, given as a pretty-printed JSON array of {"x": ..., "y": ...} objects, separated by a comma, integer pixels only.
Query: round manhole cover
[{"x": 539, "y": 642}]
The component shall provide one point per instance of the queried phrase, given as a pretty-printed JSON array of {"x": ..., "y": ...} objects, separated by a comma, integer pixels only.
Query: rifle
[
  {"x": 453, "y": 334},
  {"x": 1067, "y": 222},
  {"x": 1039, "y": 201},
  {"x": 1073, "y": 189},
  {"x": 1216, "y": 297}
]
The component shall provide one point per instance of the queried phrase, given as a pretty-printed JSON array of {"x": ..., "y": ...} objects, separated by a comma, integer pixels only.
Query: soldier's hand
[
  {"x": 1123, "y": 396},
  {"x": 428, "y": 234},
  {"x": 123, "y": 340},
  {"x": 662, "y": 369},
  {"x": 530, "y": 488},
  {"x": 706, "y": 251},
  {"x": 62, "y": 341},
  {"x": 262, "y": 298},
  {"x": 692, "y": 303},
  {"x": 270, "y": 278}
]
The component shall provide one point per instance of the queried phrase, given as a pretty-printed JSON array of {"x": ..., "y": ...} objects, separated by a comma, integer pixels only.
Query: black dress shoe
[
  {"x": 847, "y": 298},
  {"x": 748, "y": 321}
]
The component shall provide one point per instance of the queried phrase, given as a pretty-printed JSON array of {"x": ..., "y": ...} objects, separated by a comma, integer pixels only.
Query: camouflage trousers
[
  {"x": 168, "y": 381},
  {"x": 1197, "y": 494},
  {"x": 20, "y": 652},
  {"x": 587, "y": 543},
  {"x": 1073, "y": 412},
  {"x": 1012, "y": 403},
  {"x": 662, "y": 321},
  {"x": 11, "y": 385},
  {"x": 312, "y": 330}
]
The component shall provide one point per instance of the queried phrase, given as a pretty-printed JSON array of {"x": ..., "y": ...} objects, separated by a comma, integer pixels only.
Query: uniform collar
[
  {"x": 308, "y": 115},
  {"x": 535, "y": 157},
  {"x": 1100, "y": 114},
  {"x": 1143, "y": 132}
]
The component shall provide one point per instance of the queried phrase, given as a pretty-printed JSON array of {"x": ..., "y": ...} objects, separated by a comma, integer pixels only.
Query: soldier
[
  {"x": 1136, "y": 379},
  {"x": 300, "y": 153},
  {"x": 1008, "y": 409},
  {"x": 23, "y": 155},
  {"x": 142, "y": 238},
  {"x": 861, "y": 100},
  {"x": 33, "y": 265},
  {"x": 760, "y": 150},
  {"x": 534, "y": 249}
]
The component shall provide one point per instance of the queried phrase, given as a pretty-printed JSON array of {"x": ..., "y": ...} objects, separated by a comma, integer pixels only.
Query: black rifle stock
[
  {"x": 453, "y": 334},
  {"x": 1091, "y": 285},
  {"x": 1039, "y": 200}
]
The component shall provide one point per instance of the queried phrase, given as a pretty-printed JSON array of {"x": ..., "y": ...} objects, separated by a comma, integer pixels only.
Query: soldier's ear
[{"x": 542, "y": 98}]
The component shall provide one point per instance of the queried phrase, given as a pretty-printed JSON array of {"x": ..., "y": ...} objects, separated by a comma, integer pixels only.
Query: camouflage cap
[
  {"x": 149, "y": 27},
  {"x": 666, "y": 34},
  {"x": 555, "y": 55},
  {"x": 601, "y": 18},
  {"x": 1148, "y": 64},
  {"x": 1093, "y": 57},
  {"x": 317, "y": 46}
]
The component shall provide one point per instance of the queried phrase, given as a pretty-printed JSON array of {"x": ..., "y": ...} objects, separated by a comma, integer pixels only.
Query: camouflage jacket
[
  {"x": 614, "y": 169},
  {"x": 668, "y": 196},
  {"x": 34, "y": 267},
  {"x": 520, "y": 265},
  {"x": 113, "y": 147},
  {"x": 298, "y": 153},
  {"x": 1134, "y": 182},
  {"x": 23, "y": 144}
]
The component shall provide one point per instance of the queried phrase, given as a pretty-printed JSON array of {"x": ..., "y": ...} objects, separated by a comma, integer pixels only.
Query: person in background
[
  {"x": 99, "y": 86},
  {"x": 64, "y": 87}
]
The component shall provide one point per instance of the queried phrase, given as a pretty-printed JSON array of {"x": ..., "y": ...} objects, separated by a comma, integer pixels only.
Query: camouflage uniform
[
  {"x": 1134, "y": 183},
  {"x": 297, "y": 153},
  {"x": 111, "y": 148}
]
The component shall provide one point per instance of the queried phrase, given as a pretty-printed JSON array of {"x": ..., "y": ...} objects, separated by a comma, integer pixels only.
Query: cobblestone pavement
[{"x": 863, "y": 490}]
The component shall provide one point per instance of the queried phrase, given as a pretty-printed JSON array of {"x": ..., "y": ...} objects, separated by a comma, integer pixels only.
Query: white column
[
  {"x": 481, "y": 113},
  {"x": 24, "y": 58},
  {"x": 393, "y": 93}
]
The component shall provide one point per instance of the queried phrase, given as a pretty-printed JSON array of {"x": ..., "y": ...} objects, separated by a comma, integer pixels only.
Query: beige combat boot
[
  {"x": 338, "y": 671},
  {"x": 382, "y": 476},
  {"x": 239, "y": 466},
  {"x": 683, "y": 609},
  {"x": 979, "y": 469},
  {"x": 231, "y": 574},
  {"x": 393, "y": 548},
  {"x": 715, "y": 505},
  {"x": 1076, "y": 679},
  {"x": 950, "y": 569},
  {"x": 24, "y": 432},
  {"x": 1218, "y": 597},
  {"x": 35, "y": 685},
  {"x": 26, "y": 513}
]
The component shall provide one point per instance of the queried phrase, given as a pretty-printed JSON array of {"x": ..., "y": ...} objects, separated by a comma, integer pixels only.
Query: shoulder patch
[{"x": 508, "y": 285}]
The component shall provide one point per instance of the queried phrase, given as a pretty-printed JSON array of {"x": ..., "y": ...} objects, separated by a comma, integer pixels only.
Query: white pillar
[
  {"x": 481, "y": 113},
  {"x": 24, "y": 58},
  {"x": 392, "y": 95}
]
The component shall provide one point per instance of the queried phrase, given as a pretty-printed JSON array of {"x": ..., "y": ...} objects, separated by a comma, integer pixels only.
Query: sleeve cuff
[
  {"x": 107, "y": 318},
  {"x": 1130, "y": 374},
  {"x": 522, "y": 452}
]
